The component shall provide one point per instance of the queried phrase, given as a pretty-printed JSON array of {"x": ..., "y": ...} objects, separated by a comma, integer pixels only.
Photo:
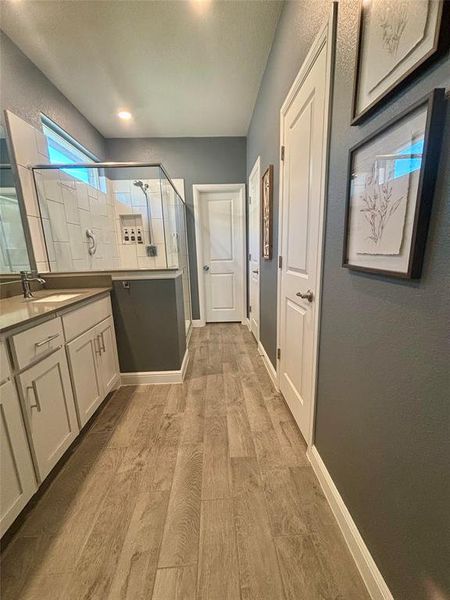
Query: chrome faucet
[{"x": 25, "y": 278}]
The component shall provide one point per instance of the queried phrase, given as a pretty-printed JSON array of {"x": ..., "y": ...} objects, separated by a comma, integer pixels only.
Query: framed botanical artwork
[
  {"x": 267, "y": 212},
  {"x": 396, "y": 38},
  {"x": 390, "y": 191}
]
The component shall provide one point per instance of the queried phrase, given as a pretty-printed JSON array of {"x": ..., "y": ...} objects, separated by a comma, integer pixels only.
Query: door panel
[
  {"x": 293, "y": 335},
  {"x": 299, "y": 141},
  {"x": 254, "y": 220},
  {"x": 302, "y": 176},
  {"x": 223, "y": 230},
  {"x": 18, "y": 482},
  {"x": 220, "y": 215},
  {"x": 83, "y": 358},
  {"x": 222, "y": 291},
  {"x": 48, "y": 398},
  {"x": 109, "y": 366}
]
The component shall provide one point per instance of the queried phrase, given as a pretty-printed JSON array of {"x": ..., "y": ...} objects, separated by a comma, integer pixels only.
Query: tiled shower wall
[
  {"x": 130, "y": 200},
  {"x": 69, "y": 206}
]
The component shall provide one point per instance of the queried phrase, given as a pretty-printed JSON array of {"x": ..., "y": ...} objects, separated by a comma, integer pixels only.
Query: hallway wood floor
[{"x": 193, "y": 491}]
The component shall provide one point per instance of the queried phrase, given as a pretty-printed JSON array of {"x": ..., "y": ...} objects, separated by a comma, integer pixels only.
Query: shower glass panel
[
  {"x": 132, "y": 219},
  {"x": 174, "y": 213}
]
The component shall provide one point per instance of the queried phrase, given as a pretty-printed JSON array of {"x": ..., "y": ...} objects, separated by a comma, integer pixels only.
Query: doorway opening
[{"x": 219, "y": 214}]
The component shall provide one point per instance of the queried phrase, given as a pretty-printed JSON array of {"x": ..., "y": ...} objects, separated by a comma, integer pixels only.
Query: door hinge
[
  {"x": 249, "y": 199},
  {"x": 280, "y": 262},
  {"x": 250, "y": 309},
  {"x": 249, "y": 257},
  {"x": 278, "y": 353},
  {"x": 282, "y": 152}
]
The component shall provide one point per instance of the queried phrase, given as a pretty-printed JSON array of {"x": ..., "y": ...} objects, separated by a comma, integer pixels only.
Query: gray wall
[
  {"x": 27, "y": 92},
  {"x": 382, "y": 424},
  {"x": 149, "y": 324},
  {"x": 196, "y": 160}
]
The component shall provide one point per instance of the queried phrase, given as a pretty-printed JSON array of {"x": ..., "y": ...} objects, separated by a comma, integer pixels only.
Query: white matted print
[
  {"x": 384, "y": 187},
  {"x": 395, "y": 38}
]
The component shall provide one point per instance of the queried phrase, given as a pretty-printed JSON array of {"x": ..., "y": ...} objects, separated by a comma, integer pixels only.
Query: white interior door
[
  {"x": 254, "y": 246},
  {"x": 303, "y": 127},
  {"x": 222, "y": 220}
]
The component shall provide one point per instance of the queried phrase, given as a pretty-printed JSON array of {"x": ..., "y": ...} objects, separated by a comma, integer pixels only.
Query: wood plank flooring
[{"x": 199, "y": 491}]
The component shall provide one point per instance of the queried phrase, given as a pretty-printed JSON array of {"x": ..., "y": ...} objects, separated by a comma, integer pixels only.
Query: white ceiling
[{"x": 182, "y": 68}]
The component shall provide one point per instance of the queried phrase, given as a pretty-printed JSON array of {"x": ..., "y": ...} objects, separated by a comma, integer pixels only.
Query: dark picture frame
[
  {"x": 435, "y": 106},
  {"x": 441, "y": 45},
  {"x": 267, "y": 213}
]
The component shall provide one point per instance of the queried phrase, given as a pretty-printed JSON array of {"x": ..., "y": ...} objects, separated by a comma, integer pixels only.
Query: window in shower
[{"x": 63, "y": 149}]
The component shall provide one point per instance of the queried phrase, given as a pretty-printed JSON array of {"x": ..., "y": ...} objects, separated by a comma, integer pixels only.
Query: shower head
[{"x": 141, "y": 184}]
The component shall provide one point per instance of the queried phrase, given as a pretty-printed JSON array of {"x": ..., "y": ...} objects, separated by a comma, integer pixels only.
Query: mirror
[{"x": 13, "y": 247}]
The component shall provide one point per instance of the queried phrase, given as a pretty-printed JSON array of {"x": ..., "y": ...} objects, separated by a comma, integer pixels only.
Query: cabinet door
[
  {"x": 18, "y": 482},
  {"x": 108, "y": 358},
  {"x": 50, "y": 409},
  {"x": 83, "y": 355}
]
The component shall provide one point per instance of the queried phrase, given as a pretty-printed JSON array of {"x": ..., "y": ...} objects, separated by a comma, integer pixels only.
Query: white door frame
[
  {"x": 327, "y": 35},
  {"x": 256, "y": 169},
  {"x": 197, "y": 190}
]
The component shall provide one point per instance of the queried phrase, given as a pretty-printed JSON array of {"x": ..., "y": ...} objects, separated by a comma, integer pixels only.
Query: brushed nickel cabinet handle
[
  {"x": 103, "y": 342},
  {"x": 97, "y": 345},
  {"x": 37, "y": 404},
  {"x": 47, "y": 340}
]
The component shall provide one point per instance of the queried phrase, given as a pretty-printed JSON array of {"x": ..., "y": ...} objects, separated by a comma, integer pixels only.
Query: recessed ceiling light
[
  {"x": 200, "y": 6},
  {"x": 124, "y": 114}
]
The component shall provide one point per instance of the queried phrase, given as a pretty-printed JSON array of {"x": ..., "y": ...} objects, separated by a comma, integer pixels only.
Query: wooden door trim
[
  {"x": 327, "y": 35},
  {"x": 197, "y": 190},
  {"x": 256, "y": 169}
]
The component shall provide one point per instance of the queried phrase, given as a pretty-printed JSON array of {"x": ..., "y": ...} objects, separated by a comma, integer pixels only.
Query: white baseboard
[
  {"x": 198, "y": 323},
  {"x": 370, "y": 573},
  {"x": 146, "y": 377},
  {"x": 269, "y": 366}
]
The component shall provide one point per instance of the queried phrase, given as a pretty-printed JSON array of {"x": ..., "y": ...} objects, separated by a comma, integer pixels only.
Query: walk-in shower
[{"x": 126, "y": 217}]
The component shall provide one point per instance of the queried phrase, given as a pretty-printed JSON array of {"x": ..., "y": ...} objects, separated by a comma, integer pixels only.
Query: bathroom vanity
[{"x": 58, "y": 363}]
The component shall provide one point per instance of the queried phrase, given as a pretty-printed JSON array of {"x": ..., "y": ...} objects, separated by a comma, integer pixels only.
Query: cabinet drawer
[
  {"x": 5, "y": 372},
  {"x": 36, "y": 342},
  {"x": 80, "y": 320}
]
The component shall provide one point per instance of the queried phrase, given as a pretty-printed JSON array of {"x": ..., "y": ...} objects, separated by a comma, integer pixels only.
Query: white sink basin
[{"x": 55, "y": 298}]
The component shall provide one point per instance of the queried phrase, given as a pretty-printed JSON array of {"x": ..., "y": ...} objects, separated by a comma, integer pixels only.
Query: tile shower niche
[{"x": 131, "y": 229}]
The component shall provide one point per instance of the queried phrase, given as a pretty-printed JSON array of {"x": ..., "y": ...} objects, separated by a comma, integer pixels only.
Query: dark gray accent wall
[
  {"x": 149, "y": 324},
  {"x": 196, "y": 160},
  {"x": 383, "y": 410},
  {"x": 27, "y": 92}
]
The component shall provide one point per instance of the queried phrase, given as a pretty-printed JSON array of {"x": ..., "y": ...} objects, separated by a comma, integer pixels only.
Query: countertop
[{"x": 17, "y": 310}]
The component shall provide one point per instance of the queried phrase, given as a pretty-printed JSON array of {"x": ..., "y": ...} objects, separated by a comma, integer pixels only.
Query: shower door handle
[{"x": 92, "y": 242}]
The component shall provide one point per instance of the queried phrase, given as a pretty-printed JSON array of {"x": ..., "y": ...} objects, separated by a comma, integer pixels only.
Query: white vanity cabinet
[
  {"x": 92, "y": 356},
  {"x": 18, "y": 482},
  {"x": 50, "y": 410},
  {"x": 63, "y": 367}
]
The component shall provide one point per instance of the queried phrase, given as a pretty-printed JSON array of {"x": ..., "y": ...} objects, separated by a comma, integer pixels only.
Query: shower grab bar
[{"x": 92, "y": 241}]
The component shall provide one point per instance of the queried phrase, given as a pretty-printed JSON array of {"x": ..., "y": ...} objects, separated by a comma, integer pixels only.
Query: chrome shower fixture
[
  {"x": 152, "y": 249},
  {"x": 142, "y": 185}
]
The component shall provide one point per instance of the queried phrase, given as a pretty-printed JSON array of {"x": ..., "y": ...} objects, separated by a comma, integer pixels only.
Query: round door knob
[
  {"x": 205, "y": 268},
  {"x": 306, "y": 296}
]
